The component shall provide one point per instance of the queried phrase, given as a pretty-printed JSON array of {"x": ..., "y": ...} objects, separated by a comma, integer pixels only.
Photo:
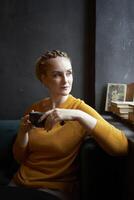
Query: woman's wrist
[
  {"x": 86, "y": 120},
  {"x": 23, "y": 130},
  {"x": 22, "y": 138}
]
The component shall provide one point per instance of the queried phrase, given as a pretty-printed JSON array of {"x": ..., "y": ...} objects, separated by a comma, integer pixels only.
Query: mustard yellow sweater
[{"x": 50, "y": 156}]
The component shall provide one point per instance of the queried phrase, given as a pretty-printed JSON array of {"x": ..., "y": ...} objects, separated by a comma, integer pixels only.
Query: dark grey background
[
  {"x": 27, "y": 28},
  {"x": 114, "y": 45}
]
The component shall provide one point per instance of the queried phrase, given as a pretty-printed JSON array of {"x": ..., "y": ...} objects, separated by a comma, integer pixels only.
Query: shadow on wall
[{"x": 103, "y": 99}]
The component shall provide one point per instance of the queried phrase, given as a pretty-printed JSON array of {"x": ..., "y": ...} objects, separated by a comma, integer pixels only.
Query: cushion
[{"x": 8, "y": 131}]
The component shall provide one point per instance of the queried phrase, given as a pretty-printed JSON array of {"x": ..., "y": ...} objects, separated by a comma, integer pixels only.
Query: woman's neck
[{"x": 56, "y": 101}]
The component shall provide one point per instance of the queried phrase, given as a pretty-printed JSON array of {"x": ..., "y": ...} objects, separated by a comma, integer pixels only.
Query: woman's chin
[{"x": 64, "y": 93}]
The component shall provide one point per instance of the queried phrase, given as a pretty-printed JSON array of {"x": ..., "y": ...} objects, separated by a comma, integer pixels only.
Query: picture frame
[{"x": 115, "y": 92}]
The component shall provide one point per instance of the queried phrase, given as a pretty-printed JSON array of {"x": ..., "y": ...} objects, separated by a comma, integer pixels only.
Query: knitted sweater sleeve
[{"x": 110, "y": 138}]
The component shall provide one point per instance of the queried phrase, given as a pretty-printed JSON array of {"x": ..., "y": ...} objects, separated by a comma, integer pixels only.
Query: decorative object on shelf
[
  {"x": 122, "y": 108},
  {"x": 131, "y": 117},
  {"x": 120, "y": 100},
  {"x": 115, "y": 92}
]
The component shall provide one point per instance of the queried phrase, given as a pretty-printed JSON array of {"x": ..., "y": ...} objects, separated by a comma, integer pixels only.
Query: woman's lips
[{"x": 65, "y": 87}]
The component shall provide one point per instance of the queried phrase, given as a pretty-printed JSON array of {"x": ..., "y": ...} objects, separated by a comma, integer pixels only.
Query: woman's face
[{"x": 58, "y": 77}]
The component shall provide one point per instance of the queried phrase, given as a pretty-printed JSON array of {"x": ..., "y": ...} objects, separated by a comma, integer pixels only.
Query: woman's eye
[
  {"x": 69, "y": 73},
  {"x": 56, "y": 75}
]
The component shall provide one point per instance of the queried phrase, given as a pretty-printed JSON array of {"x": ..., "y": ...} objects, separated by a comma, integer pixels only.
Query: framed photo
[{"x": 115, "y": 92}]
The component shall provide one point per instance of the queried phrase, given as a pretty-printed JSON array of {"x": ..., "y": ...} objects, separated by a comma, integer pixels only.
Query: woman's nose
[{"x": 65, "y": 79}]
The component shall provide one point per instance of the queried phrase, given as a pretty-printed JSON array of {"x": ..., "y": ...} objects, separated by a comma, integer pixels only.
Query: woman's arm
[
  {"x": 111, "y": 139},
  {"x": 21, "y": 143}
]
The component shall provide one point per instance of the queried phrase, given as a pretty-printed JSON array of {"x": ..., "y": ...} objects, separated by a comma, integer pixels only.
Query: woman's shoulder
[
  {"x": 79, "y": 103},
  {"x": 82, "y": 105},
  {"x": 40, "y": 105},
  {"x": 74, "y": 102}
]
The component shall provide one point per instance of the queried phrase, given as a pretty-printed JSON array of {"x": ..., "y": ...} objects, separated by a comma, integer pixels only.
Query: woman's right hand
[{"x": 25, "y": 124}]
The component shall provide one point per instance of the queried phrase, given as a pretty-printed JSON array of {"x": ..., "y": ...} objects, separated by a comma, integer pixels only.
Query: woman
[{"x": 48, "y": 154}]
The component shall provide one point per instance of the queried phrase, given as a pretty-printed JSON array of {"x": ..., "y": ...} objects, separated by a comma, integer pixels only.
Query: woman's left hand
[{"x": 58, "y": 115}]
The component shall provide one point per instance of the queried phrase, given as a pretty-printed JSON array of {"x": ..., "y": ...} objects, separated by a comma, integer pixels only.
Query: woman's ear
[{"x": 44, "y": 79}]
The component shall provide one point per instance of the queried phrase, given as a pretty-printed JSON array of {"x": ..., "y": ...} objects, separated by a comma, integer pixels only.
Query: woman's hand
[
  {"x": 23, "y": 135},
  {"x": 25, "y": 125},
  {"x": 58, "y": 115}
]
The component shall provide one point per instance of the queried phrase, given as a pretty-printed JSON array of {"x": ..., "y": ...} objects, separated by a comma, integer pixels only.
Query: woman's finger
[
  {"x": 50, "y": 122},
  {"x": 45, "y": 115}
]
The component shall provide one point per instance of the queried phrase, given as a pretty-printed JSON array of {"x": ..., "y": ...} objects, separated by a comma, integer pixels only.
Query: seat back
[{"x": 8, "y": 132}]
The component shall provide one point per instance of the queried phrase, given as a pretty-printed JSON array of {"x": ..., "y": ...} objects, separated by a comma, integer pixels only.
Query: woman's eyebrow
[
  {"x": 61, "y": 71},
  {"x": 69, "y": 70}
]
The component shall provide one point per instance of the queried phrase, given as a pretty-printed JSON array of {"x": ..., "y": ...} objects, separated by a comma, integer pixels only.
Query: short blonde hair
[{"x": 41, "y": 61}]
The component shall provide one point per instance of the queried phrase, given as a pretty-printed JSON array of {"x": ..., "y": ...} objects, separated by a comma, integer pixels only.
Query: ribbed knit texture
[{"x": 50, "y": 161}]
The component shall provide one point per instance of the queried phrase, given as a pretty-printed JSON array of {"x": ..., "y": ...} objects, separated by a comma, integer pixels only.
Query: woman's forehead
[{"x": 59, "y": 64}]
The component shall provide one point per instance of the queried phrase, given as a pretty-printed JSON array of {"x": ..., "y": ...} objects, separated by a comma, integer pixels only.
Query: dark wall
[
  {"x": 28, "y": 28},
  {"x": 114, "y": 45}
]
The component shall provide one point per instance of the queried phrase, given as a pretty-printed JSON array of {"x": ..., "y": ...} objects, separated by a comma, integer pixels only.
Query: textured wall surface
[
  {"x": 114, "y": 45},
  {"x": 28, "y": 28}
]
